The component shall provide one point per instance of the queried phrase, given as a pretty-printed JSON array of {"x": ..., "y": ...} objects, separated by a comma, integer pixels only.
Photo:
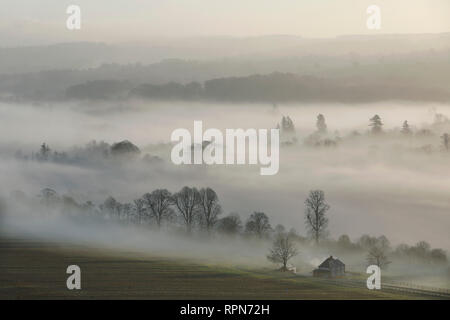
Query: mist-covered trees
[
  {"x": 287, "y": 125},
  {"x": 188, "y": 202},
  {"x": 320, "y": 124},
  {"x": 92, "y": 152},
  {"x": 48, "y": 196},
  {"x": 427, "y": 139},
  {"x": 366, "y": 242},
  {"x": 159, "y": 209},
  {"x": 276, "y": 86},
  {"x": 287, "y": 131},
  {"x": 89, "y": 208},
  {"x": 376, "y": 124},
  {"x": 171, "y": 90},
  {"x": 159, "y": 204},
  {"x": 283, "y": 249},
  {"x": 124, "y": 147},
  {"x": 258, "y": 225},
  {"x": 189, "y": 207},
  {"x": 378, "y": 250},
  {"x": 438, "y": 256},
  {"x": 421, "y": 251},
  {"x": 209, "y": 207},
  {"x": 139, "y": 210},
  {"x": 315, "y": 214},
  {"x": 377, "y": 256},
  {"x": 230, "y": 225},
  {"x": 99, "y": 90},
  {"x": 111, "y": 208},
  {"x": 344, "y": 241},
  {"x": 44, "y": 152},
  {"x": 320, "y": 137},
  {"x": 406, "y": 130},
  {"x": 445, "y": 141}
]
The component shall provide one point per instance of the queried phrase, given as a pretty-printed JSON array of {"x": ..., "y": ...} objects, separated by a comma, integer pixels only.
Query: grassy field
[{"x": 37, "y": 270}]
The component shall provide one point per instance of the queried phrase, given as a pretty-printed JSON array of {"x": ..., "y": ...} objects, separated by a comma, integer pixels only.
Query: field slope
[{"x": 37, "y": 270}]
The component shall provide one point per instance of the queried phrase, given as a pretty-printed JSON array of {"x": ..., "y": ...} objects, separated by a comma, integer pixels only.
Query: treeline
[
  {"x": 322, "y": 138},
  {"x": 25, "y": 74},
  {"x": 267, "y": 88},
  {"x": 196, "y": 211},
  {"x": 192, "y": 208},
  {"x": 380, "y": 251},
  {"x": 92, "y": 151}
]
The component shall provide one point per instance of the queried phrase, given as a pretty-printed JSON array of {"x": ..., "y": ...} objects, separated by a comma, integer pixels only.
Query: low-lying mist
[
  {"x": 379, "y": 186},
  {"x": 389, "y": 184},
  {"x": 242, "y": 252}
]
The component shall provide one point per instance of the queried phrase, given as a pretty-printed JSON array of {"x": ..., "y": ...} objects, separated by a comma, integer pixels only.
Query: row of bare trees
[
  {"x": 190, "y": 204},
  {"x": 194, "y": 208}
]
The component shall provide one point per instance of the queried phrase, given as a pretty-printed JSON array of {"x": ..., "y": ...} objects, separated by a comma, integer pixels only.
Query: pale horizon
[{"x": 24, "y": 23}]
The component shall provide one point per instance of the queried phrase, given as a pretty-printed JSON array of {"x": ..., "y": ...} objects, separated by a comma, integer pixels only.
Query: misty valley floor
[{"x": 37, "y": 270}]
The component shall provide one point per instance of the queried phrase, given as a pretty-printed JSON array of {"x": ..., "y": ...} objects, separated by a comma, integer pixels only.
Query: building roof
[
  {"x": 339, "y": 262},
  {"x": 331, "y": 262}
]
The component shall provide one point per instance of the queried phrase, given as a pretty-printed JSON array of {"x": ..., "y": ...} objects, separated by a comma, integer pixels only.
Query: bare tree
[
  {"x": 127, "y": 212},
  {"x": 315, "y": 218},
  {"x": 383, "y": 243},
  {"x": 89, "y": 208},
  {"x": 282, "y": 250},
  {"x": 344, "y": 241},
  {"x": 366, "y": 241},
  {"x": 438, "y": 256},
  {"x": 48, "y": 196},
  {"x": 139, "y": 207},
  {"x": 405, "y": 128},
  {"x": 279, "y": 228},
  {"x": 44, "y": 152},
  {"x": 258, "y": 224},
  {"x": 209, "y": 207},
  {"x": 230, "y": 224},
  {"x": 187, "y": 201},
  {"x": 377, "y": 256},
  {"x": 421, "y": 249},
  {"x": 158, "y": 202},
  {"x": 446, "y": 141},
  {"x": 111, "y": 208},
  {"x": 320, "y": 124}
]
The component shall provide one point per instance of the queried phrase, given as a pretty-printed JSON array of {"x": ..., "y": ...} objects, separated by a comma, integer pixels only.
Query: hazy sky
[{"x": 24, "y": 22}]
